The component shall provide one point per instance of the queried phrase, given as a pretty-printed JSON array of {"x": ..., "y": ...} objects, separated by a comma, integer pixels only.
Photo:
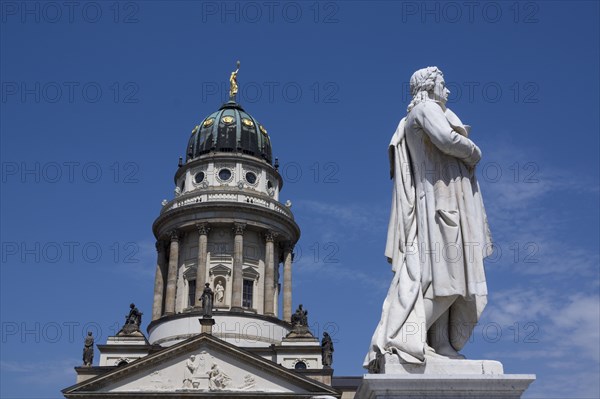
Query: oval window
[
  {"x": 224, "y": 174},
  {"x": 269, "y": 185},
  {"x": 199, "y": 178},
  {"x": 250, "y": 177}
]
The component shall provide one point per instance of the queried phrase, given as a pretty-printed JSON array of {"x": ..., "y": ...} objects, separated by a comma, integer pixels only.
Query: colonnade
[{"x": 165, "y": 283}]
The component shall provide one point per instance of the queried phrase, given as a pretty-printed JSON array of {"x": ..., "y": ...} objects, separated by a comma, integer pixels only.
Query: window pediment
[
  {"x": 220, "y": 270},
  {"x": 250, "y": 273}
]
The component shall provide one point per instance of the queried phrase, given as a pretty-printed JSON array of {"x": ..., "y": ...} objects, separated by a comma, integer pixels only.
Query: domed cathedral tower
[
  {"x": 222, "y": 238},
  {"x": 226, "y": 228}
]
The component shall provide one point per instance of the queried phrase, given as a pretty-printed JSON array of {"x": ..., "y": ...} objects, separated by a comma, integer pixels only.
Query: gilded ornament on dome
[
  {"x": 247, "y": 122},
  {"x": 263, "y": 130},
  {"x": 233, "y": 86},
  {"x": 227, "y": 119},
  {"x": 208, "y": 122}
]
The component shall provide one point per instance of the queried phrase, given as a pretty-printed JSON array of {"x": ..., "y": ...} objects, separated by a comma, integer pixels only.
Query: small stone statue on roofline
[
  {"x": 88, "y": 350},
  {"x": 299, "y": 321},
  {"x": 327, "y": 350},
  {"x": 132, "y": 322}
]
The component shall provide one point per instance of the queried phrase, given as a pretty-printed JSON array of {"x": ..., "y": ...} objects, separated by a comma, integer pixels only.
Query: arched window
[{"x": 300, "y": 366}]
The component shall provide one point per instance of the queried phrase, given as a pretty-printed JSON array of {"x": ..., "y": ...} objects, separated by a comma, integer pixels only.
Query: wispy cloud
[
  {"x": 583, "y": 383},
  {"x": 57, "y": 373},
  {"x": 347, "y": 220},
  {"x": 345, "y": 227},
  {"x": 341, "y": 272},
  {"x": 520, "y": 193},
  {"x": 566, "y": 330}
]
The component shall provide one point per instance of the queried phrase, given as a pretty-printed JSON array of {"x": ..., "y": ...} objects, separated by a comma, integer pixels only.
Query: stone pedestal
[
  {"x": 441, "y": 365},
  {"x": 455, "y": 386},
  {"x": 122, "y": 349},
  {"x": 442, "y": 378},
  {"x": 206, "y": 325}
]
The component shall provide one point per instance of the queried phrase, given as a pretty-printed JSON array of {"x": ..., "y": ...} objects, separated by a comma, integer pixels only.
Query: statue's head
[
  {"x": 132, "y": 306},
  {"x": 428, "y": 83},
  {"x": 424, "y": 80},
  {"x": 325, "y": 334},
  {"x": 89, "y": 333}
]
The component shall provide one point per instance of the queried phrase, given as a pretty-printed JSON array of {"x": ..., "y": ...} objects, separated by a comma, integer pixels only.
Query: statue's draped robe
[{"x": 438, "y": 234}]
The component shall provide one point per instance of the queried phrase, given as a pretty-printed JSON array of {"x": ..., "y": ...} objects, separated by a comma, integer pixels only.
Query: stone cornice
[{"x": 161, "y": 224}]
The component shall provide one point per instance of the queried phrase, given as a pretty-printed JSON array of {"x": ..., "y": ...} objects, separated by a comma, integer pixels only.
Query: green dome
[{"x": 232, "y": 130}]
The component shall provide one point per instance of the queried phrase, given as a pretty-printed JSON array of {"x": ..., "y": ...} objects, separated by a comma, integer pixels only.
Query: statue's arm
[{"x": 434, "y": 123}]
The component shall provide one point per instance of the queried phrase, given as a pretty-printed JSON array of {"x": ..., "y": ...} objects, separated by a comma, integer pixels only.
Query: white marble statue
[
  {"x": 438, "y": 234},
  {"x": 219, "y": 292}
]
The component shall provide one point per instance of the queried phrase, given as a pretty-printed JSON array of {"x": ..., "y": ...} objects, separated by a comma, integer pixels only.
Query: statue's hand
[{"x": 474, "y": 158}]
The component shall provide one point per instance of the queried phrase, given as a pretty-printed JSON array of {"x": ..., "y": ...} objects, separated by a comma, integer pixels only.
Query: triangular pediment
[
  {"x": 200, "y": 366},
  {"x": 220, "y": 270}
]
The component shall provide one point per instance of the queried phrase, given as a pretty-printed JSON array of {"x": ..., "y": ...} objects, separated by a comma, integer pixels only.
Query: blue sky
[{"x": 99, "y": 98}]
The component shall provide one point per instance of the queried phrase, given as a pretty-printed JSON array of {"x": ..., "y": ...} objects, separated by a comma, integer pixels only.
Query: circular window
[
  {"x": 224, "y": 174},
  {"x": 300, "y": 366},
  {"x": 250, "y": 177},
  {"x": 199, "y": 178}
]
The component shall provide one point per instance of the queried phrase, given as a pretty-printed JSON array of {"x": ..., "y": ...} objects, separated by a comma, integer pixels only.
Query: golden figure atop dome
[{"x": 233, "y": 87}]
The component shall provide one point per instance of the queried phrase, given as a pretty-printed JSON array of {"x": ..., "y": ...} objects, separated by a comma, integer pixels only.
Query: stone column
[
  {"x": 159, "y": 281},
  {"x": 172, "y": 274},
  {"x": 238, "y": 260},
  {"x": 287, "y": 282},
  {"x": 277, "y": 258},
  {"x": 203, "y": 230},
  {"x": 269, "y": 308}
]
